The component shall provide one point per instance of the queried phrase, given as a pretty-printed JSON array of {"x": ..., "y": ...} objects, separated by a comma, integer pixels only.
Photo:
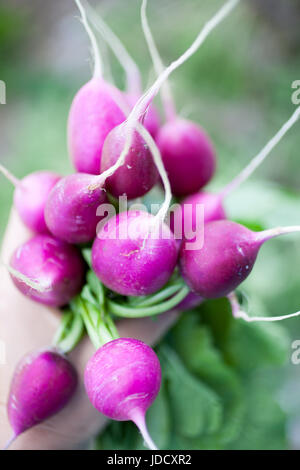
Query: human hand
[{"x": 25, "y": 326}]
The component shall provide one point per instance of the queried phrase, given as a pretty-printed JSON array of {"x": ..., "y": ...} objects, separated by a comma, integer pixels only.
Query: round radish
[
  {"x": 130, "y": 257},
  {"x": 188, "y": 156},
  {"x": 51, "y": 263},
  {"x": 30, "y": 196},
  {"x": 43, "y": 383},
  {"x": 94, "y": 113},
  {"x": 138, "y": 174},
  {"x": 122, "y": 379},
  {"x": 226, "y": 258},
  {"x": 96, "y": 109},
  {"x": 71, "y": 209},
  {"x": 186, "y": 217}
]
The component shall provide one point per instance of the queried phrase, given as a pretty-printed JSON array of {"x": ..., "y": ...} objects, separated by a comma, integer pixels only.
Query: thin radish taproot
[{"x": 132, "y": 72}]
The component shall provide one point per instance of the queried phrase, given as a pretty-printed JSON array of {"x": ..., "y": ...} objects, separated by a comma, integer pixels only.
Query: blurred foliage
[
  {"x": 208, "y": 401},
  {"x": 239, "y": 88}
]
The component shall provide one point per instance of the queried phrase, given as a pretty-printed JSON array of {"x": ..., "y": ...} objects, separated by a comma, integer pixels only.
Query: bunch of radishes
[{"x": 118, "y": 147}]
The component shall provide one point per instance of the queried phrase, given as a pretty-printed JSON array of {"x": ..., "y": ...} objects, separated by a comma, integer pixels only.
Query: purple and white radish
[
  {"x": 226, "y": 258},
  {"x": 138, "y": 174},
  {"x": 134, "y": 254},
  {"x": 48, "y": 270},
  {"x": 96, "y": 109},
  {"x": 71, "y": 208},
  {"x": 43, "y": 383},
  {"x": 188, "y": 155},
  {"x": 122, "y": 379},
  {"x": 30, "y": 196}
]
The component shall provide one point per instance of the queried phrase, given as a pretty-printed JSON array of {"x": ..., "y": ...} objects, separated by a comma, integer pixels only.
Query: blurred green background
[{"x": 238, "y": 86}]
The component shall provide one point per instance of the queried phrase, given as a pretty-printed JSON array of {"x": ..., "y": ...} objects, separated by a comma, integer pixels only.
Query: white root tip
[
  {"x": 94, "y": 44},
  {"x": 9, "y": 442},
  {"x": 15, "y": 181},
  {"x": 262, "y": 155},
  {"x": 133, "y": 76},
  {"x": 139, "y": 420},
  {"x": 238, "y": 313},
  {"x": 166, "y": 95}
]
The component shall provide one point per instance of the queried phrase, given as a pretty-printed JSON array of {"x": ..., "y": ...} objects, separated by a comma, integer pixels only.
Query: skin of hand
[{"x": 26, "y": 326}]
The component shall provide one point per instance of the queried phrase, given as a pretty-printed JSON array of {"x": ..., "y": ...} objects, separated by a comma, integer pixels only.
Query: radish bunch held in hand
[{"x": 99, "y": 261}]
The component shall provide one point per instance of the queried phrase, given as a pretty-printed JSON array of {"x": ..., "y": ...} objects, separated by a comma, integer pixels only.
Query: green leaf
[
  {"x": 195, "y": 344},
  {"x": 195, "y": 408},
  {"x": 255, "y": 345},
  {"x": 265, "y": 422}
]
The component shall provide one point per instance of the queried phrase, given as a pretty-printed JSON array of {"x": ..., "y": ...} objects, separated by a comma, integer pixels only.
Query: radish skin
[
  {"x": 71, "y": 208},
  {"x": 226, "y": 258},
  {"x": 122, "y": 379},
  {"x": 30, "y": 196},
  {"x": 131, "y": 260},
  {"x": 51, "y": 263},
  {"x": 43, "y": 383},
  {"x": 94, "y": 112}
]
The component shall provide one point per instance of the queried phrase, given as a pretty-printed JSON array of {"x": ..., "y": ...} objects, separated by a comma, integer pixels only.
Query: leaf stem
[{"x": 136, "y": 312}]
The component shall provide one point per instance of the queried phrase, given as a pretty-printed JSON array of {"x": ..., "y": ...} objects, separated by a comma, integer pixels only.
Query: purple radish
[
  {"x": 43, "y": 383},
  {"x": 131, "y": 257},
  {"x": 30, "y": 197},
  {"x": 71, "y": 209},
  {"x": 226, "y": 258},
  {"x": 96, "y": 110},
  {"x": 122, "y": 379},
  {"x": 94, "y": 113},
  {"x": 188, "y": 155},
  {"x": 187, "y": 152},
  {"x": 57, "y": 267},
  {"x": 185, "y": 216},
  {"x": 138, "y": 174}
]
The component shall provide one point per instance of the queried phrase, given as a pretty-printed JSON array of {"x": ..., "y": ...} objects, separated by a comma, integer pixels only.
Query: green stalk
[
  {"x": 159, "y": 297},
  {"x": 137, "y": 312},
  {"x": 69, "y": 332}
]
